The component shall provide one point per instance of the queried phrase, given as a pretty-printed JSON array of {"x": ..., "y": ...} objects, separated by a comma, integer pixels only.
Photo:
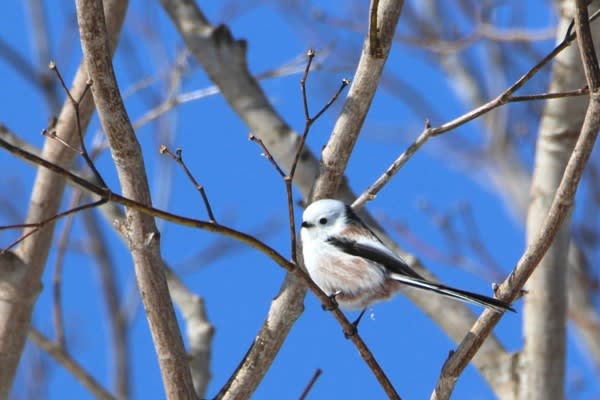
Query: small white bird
[{"x": 351, "y": 264}]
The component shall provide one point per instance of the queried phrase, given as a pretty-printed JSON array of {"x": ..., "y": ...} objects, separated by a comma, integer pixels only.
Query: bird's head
[{"x": 323, "y": 219}]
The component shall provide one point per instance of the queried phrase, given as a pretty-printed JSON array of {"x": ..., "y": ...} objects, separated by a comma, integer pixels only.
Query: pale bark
[
  {"x": 557, "y": 213},
  {"x": 120, "y": 365},
  {"x": 348, "y": 125},
  {"x": 224, "y": 60},
  {"x": 199, "y": 331},
  {"x": 542, "y": 361},
  {"x": 45, "y": 201},
  {"x": 581, "y": 307},
  {"x": 64, "y": 359},
  {"x": 511, "y": 178},
  {"x": 12, "y": 323},
  {"x": 143, "y": 237}
]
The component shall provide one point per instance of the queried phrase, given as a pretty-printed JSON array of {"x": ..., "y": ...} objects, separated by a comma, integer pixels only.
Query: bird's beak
[{"x": 307, "y": 224}]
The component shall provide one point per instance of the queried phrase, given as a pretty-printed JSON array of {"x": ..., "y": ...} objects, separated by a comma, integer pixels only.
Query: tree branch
[
  {"x": 362, "y": 90},
  {"x": 144, "y": 242},
  {"x": 542, "y": 359},
  {"x": 64, "y": 359},
  {"x": 508, "y": 291},
  {"x": 45, "y": 201},
  {"x": 100, "y": 251}
]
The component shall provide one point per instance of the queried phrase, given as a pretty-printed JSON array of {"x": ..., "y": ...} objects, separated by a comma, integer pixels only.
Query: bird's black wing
[
  {"x": 399, "y": 271},
  {"x": 389, "y": 261}
]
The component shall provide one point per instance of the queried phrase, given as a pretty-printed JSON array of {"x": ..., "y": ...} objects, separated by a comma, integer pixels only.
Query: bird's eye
[{"x": 323, "y": 221}]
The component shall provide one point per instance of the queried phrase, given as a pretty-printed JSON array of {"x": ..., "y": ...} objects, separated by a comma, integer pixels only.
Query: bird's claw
[
  {"x": 333, "y": 304},
  {"x": 350, "y": 332}
]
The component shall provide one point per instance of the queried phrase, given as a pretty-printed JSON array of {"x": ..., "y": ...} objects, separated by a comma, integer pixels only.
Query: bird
[{"x": 352, "y": 266}]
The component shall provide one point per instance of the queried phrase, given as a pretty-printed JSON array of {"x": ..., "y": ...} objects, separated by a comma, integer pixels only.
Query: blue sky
[{"x": 246, "y": 191}]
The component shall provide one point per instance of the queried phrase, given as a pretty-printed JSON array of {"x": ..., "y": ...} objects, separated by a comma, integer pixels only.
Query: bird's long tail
[{"x": 453, "y": 293}]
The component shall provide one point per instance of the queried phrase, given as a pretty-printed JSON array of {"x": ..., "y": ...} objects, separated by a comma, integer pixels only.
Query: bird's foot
[
  {"x": 333, "y": 304},
  {"x": 351, "y": 331},
  {"x": 354, "y": 326}
]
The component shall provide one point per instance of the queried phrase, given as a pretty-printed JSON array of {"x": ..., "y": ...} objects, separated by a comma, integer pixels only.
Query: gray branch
[
  {"x": 45, "y": 201},
  {"x": 143, "y": 237}
]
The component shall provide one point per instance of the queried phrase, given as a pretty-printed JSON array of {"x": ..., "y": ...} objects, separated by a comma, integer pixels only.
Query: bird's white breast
[{"x": 335, "y": 271}]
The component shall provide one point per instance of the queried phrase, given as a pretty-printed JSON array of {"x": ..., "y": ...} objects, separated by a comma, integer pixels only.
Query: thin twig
[
  {"x": 76, "y": 103},
  {"x": 267, "y": 154},
  {"x": 39, "y": 225},
  {"x": 332, "y": 99},
  {"x": 51, "y": 134},
  {"x": 63, "y": 242},
  {"x": 288, "y": 179},
  {"x": 100, "y": 251},
  {"x": 200, "y": 188},
  {"x": 308, "y": 119},
  {"x": 310, "y": 54},
  {"x": 63, "y": 358},
  {"x": 290, "y": 68},
  {"x": 429, "y": 132},
  {"x": 311, "y": 383},
  {"x": 372, "y": 191},
  {"x": 547, "y": 96}
]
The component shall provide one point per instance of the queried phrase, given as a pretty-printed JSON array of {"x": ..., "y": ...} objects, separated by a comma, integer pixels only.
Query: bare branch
[
  {"x": 311, "y": 383},
  {"x": 361, "y": 93},
  {"x": 12, "y": 276},
  {"x": 200, "y": 188},
  {"x": 76, "y": 105},
  {"x": 197, "y": 336},
  {"x": 544, "y": 311},
  {"x": 118, "y": 330},
  {"x": 45, "y": 202},
  {"x": 267, "y": 154},
  {"x": 64, "y": 359},
  {"x": 505, "y": 97},
  {"x": 309, "y": 121},
  {"x": 62, "y": 248},
  {"x": 199, "y": 331},
  {"x": 143, "y": 236},
  {"x": 509, "y": 290},
  {"x": 41, "y": 43},
  {"x": 585, "y": 43},
  {"x": 35, "y": 227},
  {"x": 310, "y": 54}
]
